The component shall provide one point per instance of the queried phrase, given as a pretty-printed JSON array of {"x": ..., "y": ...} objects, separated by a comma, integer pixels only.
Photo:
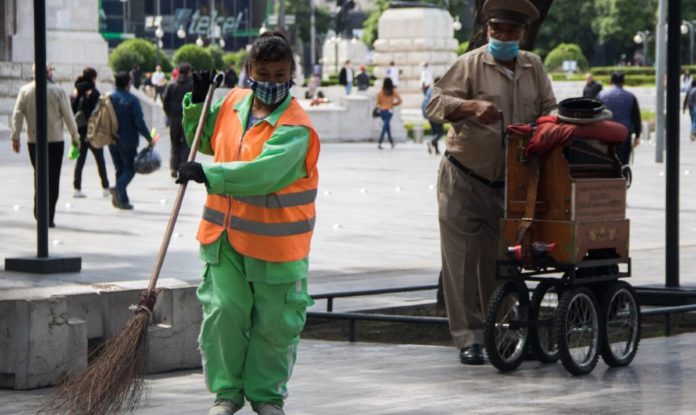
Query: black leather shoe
[
  {"x": 472, "y": 355},
  {"x": 114, "y": 198},
  {"x": 126, "y": 206}
]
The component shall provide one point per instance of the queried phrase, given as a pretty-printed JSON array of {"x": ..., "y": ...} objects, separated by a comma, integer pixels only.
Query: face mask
[
  {"x": 270, "y": 93},
  {"x": 503, "y": 51}
]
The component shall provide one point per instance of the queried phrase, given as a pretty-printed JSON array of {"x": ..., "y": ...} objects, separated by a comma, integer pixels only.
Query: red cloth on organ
[{"x": 551, "y": 133}]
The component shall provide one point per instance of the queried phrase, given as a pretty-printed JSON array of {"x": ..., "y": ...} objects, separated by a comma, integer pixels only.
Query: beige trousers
[{"x": 469, "y": 216}]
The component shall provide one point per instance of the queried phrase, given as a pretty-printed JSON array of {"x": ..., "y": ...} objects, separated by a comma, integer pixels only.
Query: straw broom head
[{"x": 113, "y": 381}]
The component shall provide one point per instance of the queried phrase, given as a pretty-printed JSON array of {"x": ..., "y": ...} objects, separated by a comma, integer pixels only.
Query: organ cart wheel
[
  {"x": 620, "y": 313},
  {"x": 577, "y": 330},
  {"x": 504, "y": 339},
  {"x": 542, "y": 338}
]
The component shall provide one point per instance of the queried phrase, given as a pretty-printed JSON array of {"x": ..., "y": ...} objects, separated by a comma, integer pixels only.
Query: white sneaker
[
  {"x": 106, "y": 192},
  {"x": 223, "y": 407},
  {"x": 78, "y": 194},
  {"x": 269, "y": 409}
]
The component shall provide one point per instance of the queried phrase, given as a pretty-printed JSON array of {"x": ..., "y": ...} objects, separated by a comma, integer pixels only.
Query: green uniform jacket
[{"x": 281, "y": 162}]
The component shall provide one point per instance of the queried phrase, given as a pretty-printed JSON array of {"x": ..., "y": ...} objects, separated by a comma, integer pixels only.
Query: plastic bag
[
  {"x": 74, "y": 152},
  {"x": 147, "y": 161}
]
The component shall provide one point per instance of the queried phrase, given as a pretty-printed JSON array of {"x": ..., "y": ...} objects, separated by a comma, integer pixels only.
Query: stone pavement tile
[{"x": 333, "y": 378}]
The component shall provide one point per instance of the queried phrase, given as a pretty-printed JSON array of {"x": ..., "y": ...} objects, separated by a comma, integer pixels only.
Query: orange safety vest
[{"x": 274, "y": 227}]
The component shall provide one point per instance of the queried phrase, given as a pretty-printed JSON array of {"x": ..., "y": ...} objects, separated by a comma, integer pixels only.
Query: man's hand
[
  {"x": 636, "y": 142},
  {"x": 486, "y": 112},
  {"x": 191, "y": 170},
  {"x": 201, "y": 83},
  {"x": 15, "y": 146}
]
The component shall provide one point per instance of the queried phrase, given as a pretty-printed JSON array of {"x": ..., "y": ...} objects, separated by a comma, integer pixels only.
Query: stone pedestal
[
  {"x": 72, "y": 34},
  {"x": 410, "y": 37},
  {"x": 345, "y": 49}
]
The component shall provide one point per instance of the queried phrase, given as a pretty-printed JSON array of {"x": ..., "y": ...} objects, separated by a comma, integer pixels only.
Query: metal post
[
  {"x": 281, "y": 15},
  {"x": 660, "y": 63},
  {"x": 212, "y": 23},
  {"x": 312, "y": 35},
  {"x": 692, "y": 25},
  {"x": 672, "y": 168},
  {"x": 41, "y": 129},
  {"x": 645, "y": 48}
]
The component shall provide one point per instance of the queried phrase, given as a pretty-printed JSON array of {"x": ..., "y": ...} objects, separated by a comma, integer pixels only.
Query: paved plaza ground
[{"x": 376, "y": 227}]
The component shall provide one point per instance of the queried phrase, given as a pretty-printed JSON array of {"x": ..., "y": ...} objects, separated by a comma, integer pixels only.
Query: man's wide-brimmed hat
[
  {"x": 520, "y": 12},
  {"x": 581, "y": 111}
]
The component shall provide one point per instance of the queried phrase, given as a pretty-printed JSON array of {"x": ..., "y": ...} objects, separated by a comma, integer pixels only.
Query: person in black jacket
[
  {"x": 84, "y": 100},
  {"x": 172, "y": 103}
]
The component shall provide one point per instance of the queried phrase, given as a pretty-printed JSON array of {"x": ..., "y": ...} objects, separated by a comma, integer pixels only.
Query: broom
[{"x": 114, "y": 380}]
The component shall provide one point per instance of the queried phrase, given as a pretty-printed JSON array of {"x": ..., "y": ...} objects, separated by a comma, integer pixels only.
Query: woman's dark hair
[
  {"x": 89, "y": 73},
  {"x": 388, "y": 86},
  {"x": 271, "y": 47},
  {"x": 122, "y": 79}
]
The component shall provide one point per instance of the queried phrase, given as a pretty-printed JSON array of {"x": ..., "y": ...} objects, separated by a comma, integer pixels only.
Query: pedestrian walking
[
  {"x": 626, "y": 111},
  {"x": 159, "y": 81},
  {"x": 345, "y": 77},
  {"x": 58, "y": 112},
  {"x": 686, "y": 81},
  {"x": 256, "y": 229},
  {"x": 592, "y": 88},
  {"x": 387, "y": 99},
  {"x": 690, "y": 104},
  {"x": 136, "y": 76},
  {"x": 483, "y": 83},
  {"x": 131, "y": 124},
  {"x": 437, "y": 128},
  {"x": 172, "y": 104},
  {"x": 84, "y": 102}
]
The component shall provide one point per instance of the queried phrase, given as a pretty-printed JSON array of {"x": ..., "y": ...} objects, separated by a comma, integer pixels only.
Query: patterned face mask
[{"x": 270, "y": 93}]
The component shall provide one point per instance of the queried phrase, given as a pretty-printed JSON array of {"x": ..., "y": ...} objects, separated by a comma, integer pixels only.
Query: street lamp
[
  {"x": 199, "y": 42},
  {"x": 456, "y": 24},
  {"x": 688, "y": 27},
  {"x": 159, "y": 33},
  {"x": 221, "y": 42},
  {"x": 181, "y": 33},
  {"x": 642, "y": 37}
]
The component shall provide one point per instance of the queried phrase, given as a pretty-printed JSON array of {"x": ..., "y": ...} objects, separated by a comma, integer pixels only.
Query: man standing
[
  {"x": 345, "y": 77},
  {"x": 58, "y": 112},
  {"x": 690, "y": 104},
  {"x": 393, "y": 73},
  {"x": 130, "y": 123},
  {"x": 483, "y": 84},
  {"x": 158, "y": 81},
  {"x": 426, "y": 77},
  {"x": 592, "y": 87},
  {"x": 625, "y": 110},
  {"x": 363, "y": 79},
  {"x": 172, "y": 103}
]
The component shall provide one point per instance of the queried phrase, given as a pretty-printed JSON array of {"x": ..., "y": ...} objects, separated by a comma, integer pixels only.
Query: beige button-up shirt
[
  {"x": 58, "y": 112},
  {"x": 522, "y": 95}
]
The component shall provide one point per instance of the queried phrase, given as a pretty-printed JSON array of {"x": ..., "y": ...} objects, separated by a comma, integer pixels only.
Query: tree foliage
[
  {"x": 140, "y": 52},
  {"x": 568, "y": 21},
  {"x": 565, "y": 52},
  {"x": 198, "y": 57},
  {"x": 619, "y": 20},
  {"x": 302, "y": 11}
]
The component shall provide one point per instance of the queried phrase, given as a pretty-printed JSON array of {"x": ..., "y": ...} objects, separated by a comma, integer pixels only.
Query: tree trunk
[{"x": 478, "y": 38}]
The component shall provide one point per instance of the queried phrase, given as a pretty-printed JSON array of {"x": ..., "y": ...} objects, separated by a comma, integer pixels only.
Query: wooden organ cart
[{"x": 565, "y": 227}]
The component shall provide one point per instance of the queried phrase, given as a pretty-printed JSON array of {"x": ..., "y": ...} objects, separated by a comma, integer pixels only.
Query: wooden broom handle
[{"x": 182, "y": 187}]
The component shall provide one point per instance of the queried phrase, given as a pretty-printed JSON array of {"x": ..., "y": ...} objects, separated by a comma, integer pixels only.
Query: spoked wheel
[
  {"x": 542, "y": 338},
  {"x": 504, "y": 339},
  {"x": 577, "y": 330},
  {"x": 620, "y": 335}
]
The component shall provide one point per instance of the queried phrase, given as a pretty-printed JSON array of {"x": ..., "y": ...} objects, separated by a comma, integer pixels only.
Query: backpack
[
  {"x": 80, "y": 117},
  {"x": 102, "y": 127}
]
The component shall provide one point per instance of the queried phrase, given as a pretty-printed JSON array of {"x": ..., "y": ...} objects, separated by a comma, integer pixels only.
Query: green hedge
[
  {"x": 140, "y": 52},
  {"x": 217, "y": 55},
  {"x": 461, "y": 49},
  {"x": 629, "y": 80},
  {"x": 236, "y": 58},
  {"x": 199, "y": 58},
  {"x": 566, "y": 52}
]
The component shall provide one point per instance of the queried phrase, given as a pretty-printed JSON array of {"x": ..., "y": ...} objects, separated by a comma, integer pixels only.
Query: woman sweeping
[{"x": 256, "y": 229}]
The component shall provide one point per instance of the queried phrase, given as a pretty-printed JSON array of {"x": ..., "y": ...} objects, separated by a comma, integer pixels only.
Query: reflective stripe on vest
[
  {"x": 260, "y": 228},
  {"x": 275, "y": 201}
]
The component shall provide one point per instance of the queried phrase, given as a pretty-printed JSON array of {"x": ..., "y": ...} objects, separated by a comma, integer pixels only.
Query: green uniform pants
[{"x": 250, "y": 331}]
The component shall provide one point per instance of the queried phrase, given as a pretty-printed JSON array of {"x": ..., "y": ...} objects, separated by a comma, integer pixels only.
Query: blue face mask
[
  {"x": 270, "y": 93},
  {"x": 503, "y": 51}
]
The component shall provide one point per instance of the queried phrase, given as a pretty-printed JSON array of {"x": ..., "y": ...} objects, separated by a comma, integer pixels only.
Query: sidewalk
[
  {"x": 376, "y": 227},
  {"x": 373, "y": 379}
]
